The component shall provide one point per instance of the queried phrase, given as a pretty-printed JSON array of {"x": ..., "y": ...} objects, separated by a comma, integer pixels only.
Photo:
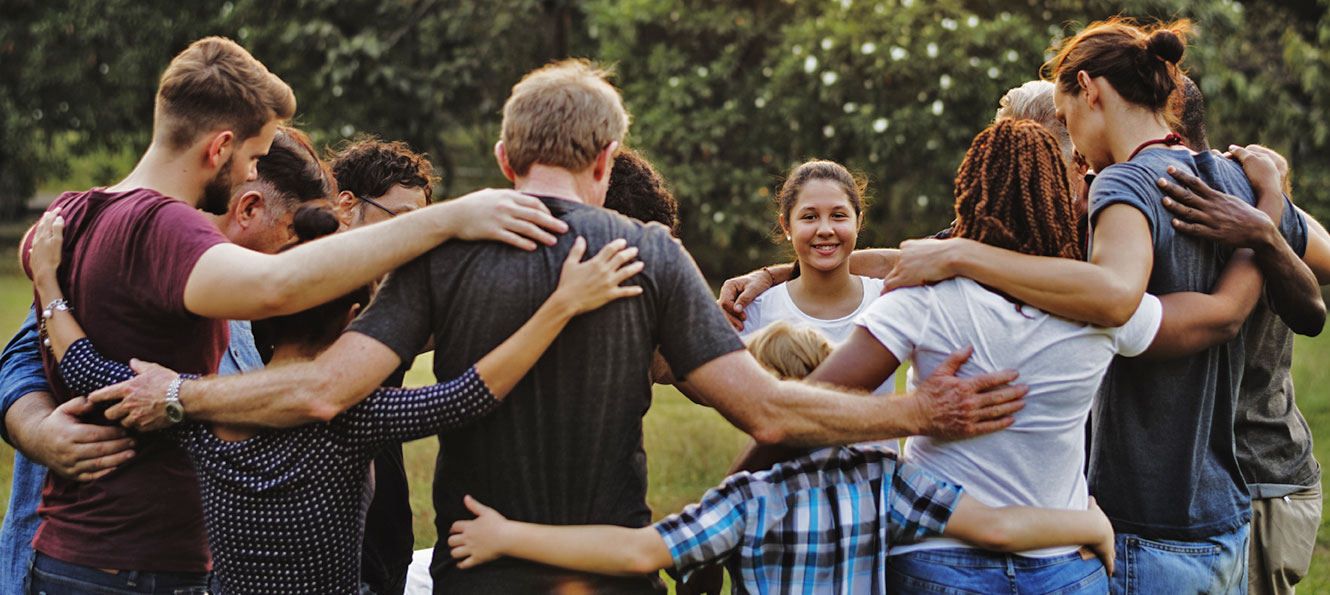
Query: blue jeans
[
  {"x": 54, "y": 577},
  {"x": 1215, "y": 565},
  {"x": 21, "y": 522},
  {"x": 977, "y": 572}
]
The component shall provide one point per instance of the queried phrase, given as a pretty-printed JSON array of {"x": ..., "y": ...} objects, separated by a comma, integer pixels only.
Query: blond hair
[
  {"x": 563, "y": 115},
  {"x": 216, "y": 84},
  {"x": 789, "y": 351}
]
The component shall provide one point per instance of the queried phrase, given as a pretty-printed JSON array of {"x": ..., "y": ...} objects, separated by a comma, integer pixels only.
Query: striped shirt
[{"x": 820, "y": 523}]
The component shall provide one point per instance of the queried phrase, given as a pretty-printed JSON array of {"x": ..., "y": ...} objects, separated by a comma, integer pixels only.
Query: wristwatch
[{"x": 174, "y": 410}]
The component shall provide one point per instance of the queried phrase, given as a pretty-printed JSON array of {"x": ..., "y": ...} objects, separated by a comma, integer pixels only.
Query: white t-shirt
[
  {"x": 775, "y": 304},
  {"x": 1038, "y": 461}
]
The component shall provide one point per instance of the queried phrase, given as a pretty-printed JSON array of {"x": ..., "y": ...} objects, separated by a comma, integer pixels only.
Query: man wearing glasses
[{"x": 380, "y": 180}]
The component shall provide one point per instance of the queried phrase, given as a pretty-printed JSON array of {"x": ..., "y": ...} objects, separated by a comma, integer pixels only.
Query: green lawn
[{"x": 690, "y": 447}]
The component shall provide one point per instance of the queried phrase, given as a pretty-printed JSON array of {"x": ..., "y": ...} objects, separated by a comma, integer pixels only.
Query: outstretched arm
[
  {"x": 1104, "y": 291},
  {"x": 602, "y": 549},
  {"x": 230, "y": 282},
  {"x": 738, "y": 292}
]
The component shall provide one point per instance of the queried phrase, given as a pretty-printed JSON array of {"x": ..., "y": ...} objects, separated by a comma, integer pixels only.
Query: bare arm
[
  {"x": 1104, "y": 291},
  {"x": 781, "y": 411},
  {"x": 1317, "y": 256},
  {"x": 1021, "y": 528},
  {"x": 602, "y": 549},
  {"x": 230, "y": 282}
]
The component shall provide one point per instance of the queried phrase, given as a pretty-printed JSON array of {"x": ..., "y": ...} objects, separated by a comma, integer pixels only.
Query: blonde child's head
[{"x": 789, "y": 351}]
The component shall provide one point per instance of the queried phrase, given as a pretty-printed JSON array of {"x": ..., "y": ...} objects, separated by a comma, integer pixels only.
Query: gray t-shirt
[
  {"x": 1273, "y": 440},
  {"x": 1162, "y": 459},
  {"x": 565, "y": 447}
]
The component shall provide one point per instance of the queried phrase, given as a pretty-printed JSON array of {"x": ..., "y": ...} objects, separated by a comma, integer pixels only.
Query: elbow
[
  {"x": 1119, "y": 309},
  {"x": 317, "y": 404},
  {"x": 640, "y": 562},
  {"x": 768, "y": 434},
  {"x": 1313, "y": 322}
]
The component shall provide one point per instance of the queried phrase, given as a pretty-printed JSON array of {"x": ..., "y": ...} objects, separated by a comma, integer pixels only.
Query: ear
[
  {"x": 1088, "y": 86},
  {"x": 218, "y": 148},
  {"x": 604, "y": 161},
  {"x": 344, "y": 207},
  {"x": 248, "y": 207},
  {"x": 784, "y": 226},
  {"x": 501, "y": 156},
  {"x": 351, "y": 314}
]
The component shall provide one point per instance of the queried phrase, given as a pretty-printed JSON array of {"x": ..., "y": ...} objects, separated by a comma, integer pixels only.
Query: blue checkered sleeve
[
  {"x": 711, "y": 529},
  {"x": 918, "y": 504}
]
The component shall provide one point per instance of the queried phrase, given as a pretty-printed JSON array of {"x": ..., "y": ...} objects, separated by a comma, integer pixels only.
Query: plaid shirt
[{"x": 817, "y": 524}]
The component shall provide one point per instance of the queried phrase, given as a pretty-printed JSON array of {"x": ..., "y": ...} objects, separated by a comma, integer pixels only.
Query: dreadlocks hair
[
  {"x": 1012, "y": 192},
  {"x": 638, "y": 191}
]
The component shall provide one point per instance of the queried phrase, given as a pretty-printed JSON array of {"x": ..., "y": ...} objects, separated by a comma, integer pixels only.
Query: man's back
[{"x": 566, "y": 446}]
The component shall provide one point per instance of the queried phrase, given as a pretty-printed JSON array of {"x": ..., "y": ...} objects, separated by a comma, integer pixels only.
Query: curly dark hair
[
  {"x": 370, "y": 167},
  {"x": 636, "y": 190}
]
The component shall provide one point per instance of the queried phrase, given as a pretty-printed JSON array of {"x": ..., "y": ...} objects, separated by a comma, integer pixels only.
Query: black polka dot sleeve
[
  {"x": 400, "y": 414},
  {"x": 85, "y": 370}
]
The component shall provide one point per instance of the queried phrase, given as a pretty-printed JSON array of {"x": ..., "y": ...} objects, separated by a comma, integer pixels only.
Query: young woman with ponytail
[{"x": 1162, "y": 461}]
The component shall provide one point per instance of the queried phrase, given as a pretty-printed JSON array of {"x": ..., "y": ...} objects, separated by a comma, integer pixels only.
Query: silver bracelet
[{"x": 58, "y": 304}]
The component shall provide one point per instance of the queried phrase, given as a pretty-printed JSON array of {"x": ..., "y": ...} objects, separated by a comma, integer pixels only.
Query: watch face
[{"x": 175, "y": 412}]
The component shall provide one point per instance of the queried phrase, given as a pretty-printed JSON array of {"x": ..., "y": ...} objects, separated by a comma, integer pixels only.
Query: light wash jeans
[
  {"x": 21, "y": 523},
  {"x": 1215, "y": 566},
  {"x": 977, "y": 572}
]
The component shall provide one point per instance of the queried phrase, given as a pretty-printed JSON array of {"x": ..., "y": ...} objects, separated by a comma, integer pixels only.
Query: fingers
[
  {"x": 91, "y": 469},
  {"x": 75, "y": 407},
  {"x": 1191, "y": 182},
  {"x": 1002, "y": 409},
  {"x": 1003, "y": 398},
  {"x": 515, "y": 240},
  {"x": 575, "y": 253},
  {"x": 985, "y": 381},
  {"x": 475, "y": 506},
  {"x": 952, "y": 364},
  {"x": 618, "y": 259},
  {"x": 541, "y": 217},
  {"x": 991, "y": 425},
  {"x": 530, "y": 230},
  {"x": 115, "y": 392}
]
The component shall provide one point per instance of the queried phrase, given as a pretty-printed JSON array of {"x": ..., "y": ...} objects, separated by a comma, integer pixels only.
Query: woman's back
[{"x": 1038, "y": 461}]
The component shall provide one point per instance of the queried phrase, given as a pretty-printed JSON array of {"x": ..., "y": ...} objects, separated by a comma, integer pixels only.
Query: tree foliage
[{"x": 726, "y": 97}]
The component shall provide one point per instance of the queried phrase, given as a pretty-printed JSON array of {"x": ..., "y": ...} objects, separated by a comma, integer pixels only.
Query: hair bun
[
  {"x": 1166, "y": 45},
  {"x": 311, "y": 222}
]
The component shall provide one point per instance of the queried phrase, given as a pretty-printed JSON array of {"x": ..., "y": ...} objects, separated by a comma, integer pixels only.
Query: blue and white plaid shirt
[{"x": 820, "y": 523}]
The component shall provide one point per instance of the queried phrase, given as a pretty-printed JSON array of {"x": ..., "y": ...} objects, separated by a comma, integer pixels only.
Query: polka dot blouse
[{"x": 285, "y": 509}]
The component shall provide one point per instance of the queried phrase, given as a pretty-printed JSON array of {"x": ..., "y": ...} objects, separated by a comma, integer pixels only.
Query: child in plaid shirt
[{"x": 822, "y": 522}]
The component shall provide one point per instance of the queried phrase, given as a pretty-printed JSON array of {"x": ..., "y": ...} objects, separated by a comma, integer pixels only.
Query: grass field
[{"x": 690, "y": 447}]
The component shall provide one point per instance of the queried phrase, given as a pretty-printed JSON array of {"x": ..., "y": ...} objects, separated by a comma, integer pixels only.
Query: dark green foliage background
[{"x": 725, "y": 95}]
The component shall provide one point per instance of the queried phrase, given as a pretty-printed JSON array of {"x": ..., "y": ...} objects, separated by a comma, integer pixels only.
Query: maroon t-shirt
[{"x": 126, "y": 259}]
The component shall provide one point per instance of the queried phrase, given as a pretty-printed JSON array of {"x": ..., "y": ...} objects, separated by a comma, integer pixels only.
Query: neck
[
  {"x": 294, "y": 352},
  {"x": 558, "y": 182},
  {"x": 834, "y": 284},
  {"x": 1134, "y": 128},
  {"x": 166, "y": 172}
]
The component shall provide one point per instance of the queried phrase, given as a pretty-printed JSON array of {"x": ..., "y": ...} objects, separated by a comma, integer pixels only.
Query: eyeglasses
[{"x": 387, "y": 210}]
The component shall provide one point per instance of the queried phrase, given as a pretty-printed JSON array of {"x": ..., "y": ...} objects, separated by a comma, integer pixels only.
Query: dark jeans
[{"x": 54, "y": 577}]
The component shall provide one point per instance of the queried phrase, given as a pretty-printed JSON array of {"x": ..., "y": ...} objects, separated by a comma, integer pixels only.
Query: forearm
[
  {"x": 873, "y": 262},
  {"x": 504, "y": 367},
  {"x": 283, "y": 396},
  {"x": 797, "y": 415},
  {"x": 1022, "y": 528},
  {"x": 22, "y": 421},
  {"x": 601, "y": 549},
  {"x": 61, "y": 328},
  {"x": 1069, "y": 288},
  {"x": 231, "y": 283},
  {"x": 1317, "y": 255},
  {"x": 1291, "y": 286}
]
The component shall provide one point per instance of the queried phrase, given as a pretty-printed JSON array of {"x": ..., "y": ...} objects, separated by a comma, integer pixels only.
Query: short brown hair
[
  {"x": 293, "y": 170},
  {"x": 215, "y": 84},
  {"x": 788, "y": 351},
  {"x": 1140, "y": 63},
  {"x": 563, "y": 115}
]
